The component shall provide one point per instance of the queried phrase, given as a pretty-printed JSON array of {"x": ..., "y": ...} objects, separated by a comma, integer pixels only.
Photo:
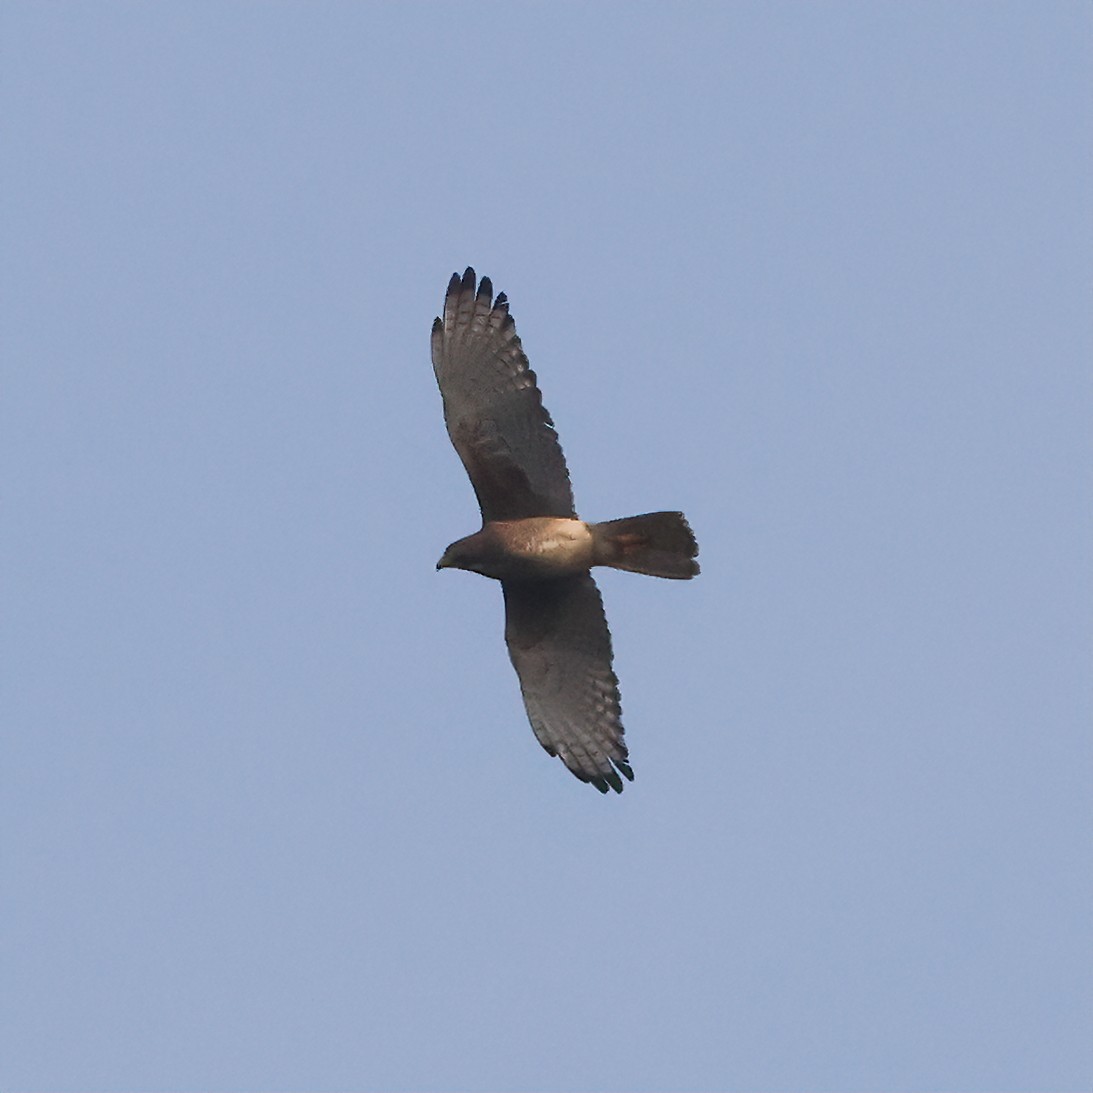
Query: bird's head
[
  {"x": 452, "y": 558},
  {"x": 473, "y": 553}
]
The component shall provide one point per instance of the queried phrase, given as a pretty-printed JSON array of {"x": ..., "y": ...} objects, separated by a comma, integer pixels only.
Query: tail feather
[{"x": 660, "y": 544}]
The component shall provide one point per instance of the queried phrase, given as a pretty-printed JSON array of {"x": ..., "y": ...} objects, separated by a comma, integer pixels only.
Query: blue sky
[{"x": 816, "y": 274}]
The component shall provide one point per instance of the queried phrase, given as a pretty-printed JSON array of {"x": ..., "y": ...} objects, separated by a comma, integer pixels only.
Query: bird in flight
[{"x": 531, "y": 539}]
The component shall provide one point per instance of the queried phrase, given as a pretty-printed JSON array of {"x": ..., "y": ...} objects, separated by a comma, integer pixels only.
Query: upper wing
[
  {"x": 561, "y": 649},
  {"x": 493, "y": 409}
]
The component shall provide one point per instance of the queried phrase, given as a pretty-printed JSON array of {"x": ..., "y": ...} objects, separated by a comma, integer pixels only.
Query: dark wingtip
[
  {"x": 468, "y": 283},
  {"x": 604, "y": 782}
]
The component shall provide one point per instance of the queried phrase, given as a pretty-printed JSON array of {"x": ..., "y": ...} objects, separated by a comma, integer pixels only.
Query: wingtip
[
  {"x": 483, "y": 289},
  {"x": 604, "y": 782}
]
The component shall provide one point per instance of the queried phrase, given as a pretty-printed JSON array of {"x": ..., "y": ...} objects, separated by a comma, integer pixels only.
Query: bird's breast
[{"x": 539, "y": 547}]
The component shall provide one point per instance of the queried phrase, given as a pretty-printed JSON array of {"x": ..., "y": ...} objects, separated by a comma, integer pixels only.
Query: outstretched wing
[
  {"x": 561, "y": 649},
  {"x": 493, "y": 409}
]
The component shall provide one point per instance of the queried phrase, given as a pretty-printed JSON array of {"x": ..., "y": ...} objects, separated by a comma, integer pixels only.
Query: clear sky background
[{"x": 271, "y": 812}]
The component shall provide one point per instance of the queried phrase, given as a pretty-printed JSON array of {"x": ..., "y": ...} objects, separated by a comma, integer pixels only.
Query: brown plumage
[{"x": 531, "y": 539}]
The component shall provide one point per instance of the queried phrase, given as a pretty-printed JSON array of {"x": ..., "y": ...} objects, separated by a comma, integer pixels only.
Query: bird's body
[
  {"x": 531, "y": 539},
  {"x": 533, "y": 549}
]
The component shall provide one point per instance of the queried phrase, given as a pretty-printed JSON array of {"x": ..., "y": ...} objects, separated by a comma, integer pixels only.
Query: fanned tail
[{"x": 660, "y": 544}]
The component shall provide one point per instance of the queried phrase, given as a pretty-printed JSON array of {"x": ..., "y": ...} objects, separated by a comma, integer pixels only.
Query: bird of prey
[{"x": 531, "y": 539}]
